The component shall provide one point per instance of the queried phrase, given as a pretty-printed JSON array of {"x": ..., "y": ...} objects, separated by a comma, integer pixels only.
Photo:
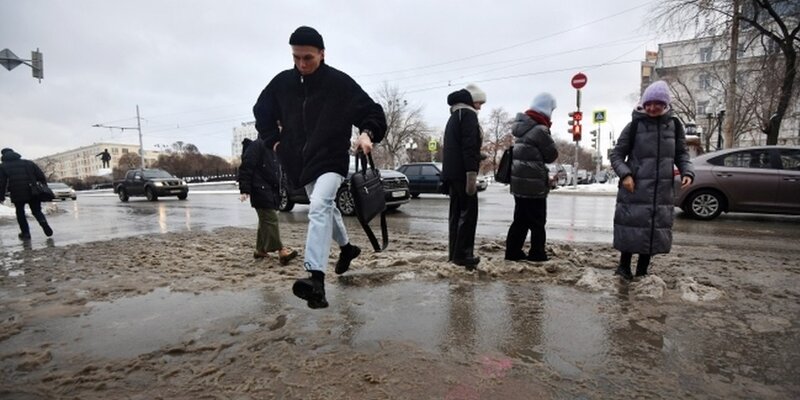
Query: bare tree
[
  {"x": 496, "y": 137},
  {"x": 126, "y": 162},
  {"x": 776, "y": 22},
  {"x": 404, "y": 127}
]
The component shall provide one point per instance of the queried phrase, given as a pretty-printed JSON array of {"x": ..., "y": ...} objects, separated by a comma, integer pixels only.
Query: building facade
[
  {"x": 697, "y": 70},
  {"x": 246, "y": 130},
  {"x": 85, "y": 161}
]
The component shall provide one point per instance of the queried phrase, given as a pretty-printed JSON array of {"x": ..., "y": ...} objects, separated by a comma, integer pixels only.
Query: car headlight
[{"x": 158, "y": 183}]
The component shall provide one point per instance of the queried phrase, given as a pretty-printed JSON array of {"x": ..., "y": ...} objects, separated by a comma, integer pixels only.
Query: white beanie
[
  {"x": 478, "y": 95},
  {"x": 544, "y": 103}
]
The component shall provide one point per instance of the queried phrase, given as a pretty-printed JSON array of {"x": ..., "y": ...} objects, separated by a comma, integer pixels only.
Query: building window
[
  {"x": 702, "y": 107},
  {"x": 124, "y": 151},
  {"x": 705, "y": 82},
  {"x": 740, "y": 50},
  {"x": 705, "y": 54}
]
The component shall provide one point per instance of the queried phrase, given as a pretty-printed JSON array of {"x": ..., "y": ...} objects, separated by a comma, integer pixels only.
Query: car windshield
[
  {"x": 156, "y": 173},
  {"x": 58, "y": 185}
]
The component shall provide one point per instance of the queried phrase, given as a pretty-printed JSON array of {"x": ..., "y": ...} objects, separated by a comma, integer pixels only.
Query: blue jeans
[{"x": 324, "y": 221}]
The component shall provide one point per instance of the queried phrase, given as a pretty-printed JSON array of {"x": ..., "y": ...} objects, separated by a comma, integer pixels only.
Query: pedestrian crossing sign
[{"x": 599, "y": 116}]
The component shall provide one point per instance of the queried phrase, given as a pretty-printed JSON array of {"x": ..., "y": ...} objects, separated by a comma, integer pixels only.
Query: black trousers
[
  {"x": 36, "y": 210},
  {"x": 529, "y": 215},
  {"x": 463, "y": 221}
]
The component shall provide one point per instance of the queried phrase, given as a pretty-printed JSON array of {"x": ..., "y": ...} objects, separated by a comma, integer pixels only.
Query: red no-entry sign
[{"x": 579, "y": 80}]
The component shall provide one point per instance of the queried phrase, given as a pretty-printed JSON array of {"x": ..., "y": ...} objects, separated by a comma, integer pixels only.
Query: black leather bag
[
  {"x": 503, "y": 174},
  {"x": 41, "y": 192},
  {"x": 369, "y": 198}
]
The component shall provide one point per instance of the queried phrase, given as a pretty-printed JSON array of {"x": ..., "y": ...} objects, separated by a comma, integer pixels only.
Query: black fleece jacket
[{"x": 316, "y": 113}]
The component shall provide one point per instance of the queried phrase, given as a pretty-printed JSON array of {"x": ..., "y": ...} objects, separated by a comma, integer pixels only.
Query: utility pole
[
  {"x": 138, "y": 127},
  {"x": 730, "y": 98}
]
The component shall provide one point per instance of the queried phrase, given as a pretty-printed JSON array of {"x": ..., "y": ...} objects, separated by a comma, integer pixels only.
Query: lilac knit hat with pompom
[{"x": 657, "y": 91}]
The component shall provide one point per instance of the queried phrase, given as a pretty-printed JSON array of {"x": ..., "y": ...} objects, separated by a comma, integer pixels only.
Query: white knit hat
[
  {"x": 544, "y": 103},
  {"x": 478, "y": 95}
]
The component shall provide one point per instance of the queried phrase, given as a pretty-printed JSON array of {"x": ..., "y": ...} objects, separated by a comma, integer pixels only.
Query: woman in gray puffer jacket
[
  {"x": 530, "y": 178},
  {"x": 647, "y": 149}
]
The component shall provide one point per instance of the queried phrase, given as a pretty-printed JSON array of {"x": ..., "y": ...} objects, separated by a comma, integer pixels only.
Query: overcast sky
[{"x": 195, "y": 68}]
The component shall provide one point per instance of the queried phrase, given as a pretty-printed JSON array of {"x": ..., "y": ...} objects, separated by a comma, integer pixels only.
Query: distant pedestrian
[
  {"x": 259, "y": 181},
  {"x": 646, "y": 151},
  {"x": 17, "y": 176},
  {"x": 461, "y": 161},
  {"x": 105, "y": 157},
  {"x": 317, "y": 106},
  {"x": 530, "y": 179}
]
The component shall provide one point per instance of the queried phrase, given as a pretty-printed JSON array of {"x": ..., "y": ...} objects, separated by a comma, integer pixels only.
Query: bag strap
[{"x": 378, "y": 247}]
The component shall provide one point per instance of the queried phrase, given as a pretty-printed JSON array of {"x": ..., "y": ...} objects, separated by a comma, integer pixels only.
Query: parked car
[
  {"x": 426, "y": 177},
  {"x": 761, "y": 179},
  {"x": 582, "y": 176},
  {"x": 423, "y": 177},
  {"x": 483, "y": 183},
  {"x": 395, "y": 187},
  {"x": 601, "y": 177},
  {"x": 557, "y": 175},
  {"x": 569, "y": 172},
  {"x": 62, "y": 191}
]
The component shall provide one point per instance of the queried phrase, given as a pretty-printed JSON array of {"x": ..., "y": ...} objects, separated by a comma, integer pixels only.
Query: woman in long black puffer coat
[
  {"x": 16, "y": 176},
  {"x": 260, "y": 180},
  {"x": 643, "y": 158}
]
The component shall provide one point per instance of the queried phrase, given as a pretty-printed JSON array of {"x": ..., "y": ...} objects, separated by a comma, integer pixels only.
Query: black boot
[
  {"x": 24, "y": 236},
  {"x": 312, "y": 290},
  {"x": 349, "y": 252},
  {"x": 624, "y": 268},
  {"x": 517, "y": 255},
  {"x": 641, "y": 265},
  {"x": 538, "y": 256},
  {"x": 48, "y": 231},
  {"x": 470, "y": 262}
]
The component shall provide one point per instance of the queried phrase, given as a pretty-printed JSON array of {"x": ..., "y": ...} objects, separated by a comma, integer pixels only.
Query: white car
[{"x": 62, "y": 191}]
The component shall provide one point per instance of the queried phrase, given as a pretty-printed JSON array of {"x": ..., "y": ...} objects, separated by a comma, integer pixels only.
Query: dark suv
[
  {"x": 395, "y": 186},
  {"x": 425, "y": 177}
]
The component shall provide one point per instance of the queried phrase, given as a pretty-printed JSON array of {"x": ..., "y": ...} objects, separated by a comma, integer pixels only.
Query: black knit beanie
[
  {"x": 306, "y": 36},
  {"x": 6, "y": 150}
]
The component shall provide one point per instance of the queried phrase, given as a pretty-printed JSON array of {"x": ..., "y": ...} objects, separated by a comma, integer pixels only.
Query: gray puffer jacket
[
  {"x": 643, "y": 219},
  {"x": 533, "y": 148}
]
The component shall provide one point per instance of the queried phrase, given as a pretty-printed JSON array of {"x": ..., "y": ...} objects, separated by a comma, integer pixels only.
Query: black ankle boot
[
  {"x": 312, "y": 290},
  {"x": 624, "y": 271},
  {"x": 349, "y": 252}
]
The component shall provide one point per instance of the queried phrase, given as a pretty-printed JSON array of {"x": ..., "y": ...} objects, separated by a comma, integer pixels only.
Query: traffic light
[
  {"x": 594, "y": 138},
  {"x": 575, "y": 125},
  {"x": 37, "y": 64}
]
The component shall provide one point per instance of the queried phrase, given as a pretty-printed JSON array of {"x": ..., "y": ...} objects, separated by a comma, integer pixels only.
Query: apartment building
[
  {"x": 246, "y": 130},
  {"x": 84, "y": 161},
  {"x": 697, "y": 70}
]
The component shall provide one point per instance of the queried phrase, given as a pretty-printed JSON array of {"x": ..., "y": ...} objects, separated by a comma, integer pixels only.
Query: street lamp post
[{"x": 138, "y": 127}]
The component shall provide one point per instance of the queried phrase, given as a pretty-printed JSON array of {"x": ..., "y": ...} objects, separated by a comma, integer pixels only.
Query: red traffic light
[{"x": 577, "y": 115}]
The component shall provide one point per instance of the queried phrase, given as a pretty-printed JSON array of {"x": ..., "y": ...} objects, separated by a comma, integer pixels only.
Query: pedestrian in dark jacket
[
  {"x": 317, "y": 106},
  {"x": 260, "y": 181},
  {"x": 16, "y": 177},
  {"x": 530, "y": 178},
  {"x": 461, "y": 161},
  {"x": 646, "y": 151}
]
